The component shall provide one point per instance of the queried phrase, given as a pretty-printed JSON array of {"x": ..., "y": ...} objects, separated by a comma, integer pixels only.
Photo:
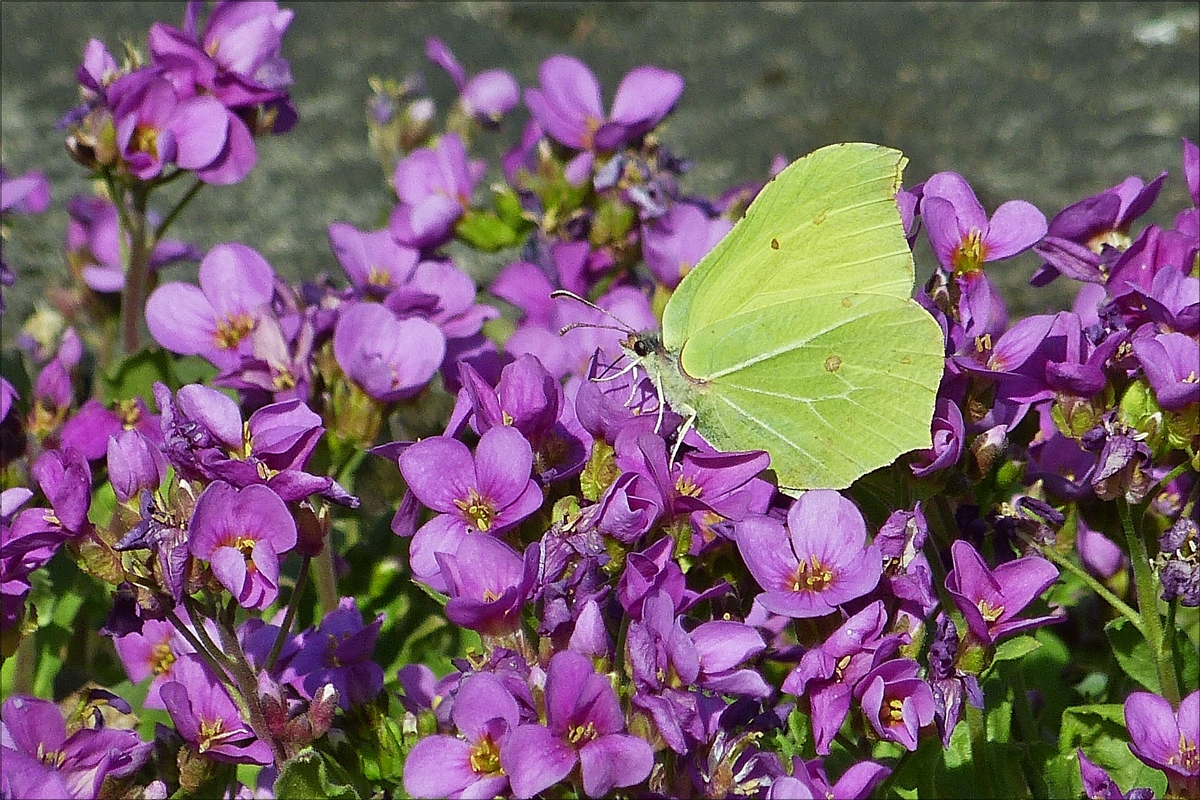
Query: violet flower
[
  {"x": 41, "y": 760},
  {"x": 214, "y": 319},
  {"x": 373, "y": 260},
  {"x": 1167, "y": 739},
  {"x": 152, "y": 654},
  {"x": 93, "y": 244},
  {"x": 1178, "y": 562},
  {"x": 1170, "y": 361},
  {"x": 567, "y": 104},
  {"x": 1099, "y": 785},
  {"x": 90, "y": 429},
  {"x": 466, "y": 765},
  {"x": 489, "y": 492},
  {"x": 486, "y": 97},
  {"x": 991, "y": 599},
  {"x": 584, "y": 726},
  {"x": 206, "y": 717},
  {"x": 828, "y": 674},
  {"x": 896, "y": 702},
  {"x": 674, "y": 243},
  {"x": 818, "y": 562},
  {"x": 434, "y": 185},
  {"x": 339, "y": 652},
  {"x": 242, "y": 533},
  {"x": 390, "y": 358},
  {"x": 948, "y": 434},
  {"x": 962, "y": 235},
  {"x": 488, "y": 583},
  {"x": 134, "y": 464}
]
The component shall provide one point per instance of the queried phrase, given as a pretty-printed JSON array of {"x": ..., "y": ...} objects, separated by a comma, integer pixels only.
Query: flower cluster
[{"x": 395, "y": 535}]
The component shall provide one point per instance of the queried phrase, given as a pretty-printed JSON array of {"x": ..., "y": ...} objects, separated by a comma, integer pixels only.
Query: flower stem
[
  {"x": 978, "y": 728},
  {"x": 137, "y": 275},
  {"x": 1147, "y": 601},
  {"x": 1122, "y": 608},
  {"x": 289, "y": 615},
  {"x": 192, "y": 191}
]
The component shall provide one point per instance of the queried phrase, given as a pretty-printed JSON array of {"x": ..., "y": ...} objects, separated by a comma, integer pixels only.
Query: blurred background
[{"x": 1048, "y": 102}]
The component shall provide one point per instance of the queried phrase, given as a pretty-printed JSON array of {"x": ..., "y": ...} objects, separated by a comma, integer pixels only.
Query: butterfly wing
[
  {"x": 798, "y": 330},
  {"x": 827, "y": 224},
  {"x": 846, "y": 385}
]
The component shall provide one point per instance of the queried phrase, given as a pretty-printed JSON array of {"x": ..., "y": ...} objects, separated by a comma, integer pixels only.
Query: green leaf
[
  {"x": 305, "y": 776},
  {"x": 1133, "y": 653},
  {"x": 508, "y": 207},
  {"x": 134, "y": 375},
  {"x": 484, "y": 230},
  {"x": 1013, "y": 649}
]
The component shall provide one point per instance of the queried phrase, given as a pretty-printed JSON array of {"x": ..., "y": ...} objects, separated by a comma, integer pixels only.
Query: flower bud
[{"x": 134, "y": 463}]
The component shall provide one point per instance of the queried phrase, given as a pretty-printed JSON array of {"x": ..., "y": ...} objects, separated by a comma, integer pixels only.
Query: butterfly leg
[{"x": 681, "y": 434}]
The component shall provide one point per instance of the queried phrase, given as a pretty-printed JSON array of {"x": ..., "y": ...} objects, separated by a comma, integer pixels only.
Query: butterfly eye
[{"x": 642, "y": 347}]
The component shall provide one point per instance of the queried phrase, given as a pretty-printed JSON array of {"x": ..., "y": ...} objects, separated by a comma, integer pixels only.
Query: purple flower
[
  {"x": 962, "y": 236},
  {"x": 153, "y": 652},
  {"x": 374, "y": 261},
  {"x": 828, "y": 674},
  {"x": 674, "y": 243},
  {"x": 206, "y": 717},
  {"x": 339, "y": 652},
  {"x": 214, "y": 319},
  {"x": 584, "y": 725},
  {"x": 488, "y": 96},
  {"x": 1167, "y": 739},
  {"x": 818, "y": 562},
  {"x": 567, "y": 104},
  {"x": 390, "y": 358},
  {"x": 434, "y": 185},
  {"x": 41, "y": 760},
  {"x": 25, "y": 194},
  {"x": 1098, "y": 785},
  {"x": 93, "y": 244},
  {"x": 896, "y": 702},
  {"x": 1082, "y": 239},
  {"x": 991, "y": 599},
  {"x": 134, "y": 464},
  {"x": 488, "y": 583},
  {"x": 242, "y": 533},
  {"x": 1170, "y": 361},
  {"x": 1179, "y": 562},
  {"x": 489, "y": 492},
  {"x": 948, "y": 433},
  {"x": 466, "y": 765}
]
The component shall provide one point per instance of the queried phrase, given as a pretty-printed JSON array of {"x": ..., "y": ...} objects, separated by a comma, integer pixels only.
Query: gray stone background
[{"x": 1048, "y": 102}]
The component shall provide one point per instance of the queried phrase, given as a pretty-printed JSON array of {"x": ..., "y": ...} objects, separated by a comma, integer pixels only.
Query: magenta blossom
[
  {"x": 487, "y": 97},
  {"x": 243, "y": 533},
  {"x": 390, "y": 358},
  {"x": 991, "y": 599},
  {"x": 1167, "y": 739},
  {"x": 152, "y": 654},
  {"x": 41, "y": 760},
  {"x": 434, "y": 185},
  {"x": 466, "y": 765},
  {"x": 489, "y": 492},
  {"x": 567, "y": 104},
  {"x": 818, "y": 562},
  {"x": 584, "y": 726},
  {"x": 488, "y": 583},
  {"x": 93, "y": 244},
  {"x": 206, "y": 717},
  {"x": 962, "y": 236},
  {"x": 214, "y": 319},
  {"x": 373, "y": 260},
  {"x": 339, "y": 653},
  {"x": 674, "y": 243}
]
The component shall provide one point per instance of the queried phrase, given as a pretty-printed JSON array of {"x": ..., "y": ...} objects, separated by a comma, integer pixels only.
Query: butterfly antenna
[{"x": 624, "y": 327}]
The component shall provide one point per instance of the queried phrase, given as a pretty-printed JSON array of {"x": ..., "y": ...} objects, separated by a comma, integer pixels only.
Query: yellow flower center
[
  {"x": 990, "y": 613},
  {"x": 895, "y": 712},
  {"x": 378, "y": 277},
  {"x": 232, "y": 329},
  {"x": 970, "y": 255},
  {"x": 687, "y": 487},
  {"x": 1188, "y": 757},
  {"x": 145, "y": 140},
  {"x": 582, "y": 734},
  {"x": 811, "y": 577},
  {"x": 478, "y": 511},
  {"x": 485, "y": 758},
  {"x": 130, "y": 413},
  {"x": 161, "y": 658}
]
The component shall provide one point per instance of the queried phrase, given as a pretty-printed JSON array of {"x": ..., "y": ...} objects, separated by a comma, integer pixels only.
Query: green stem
[
  {"x": 325, "y": 580},
  {"x": 978, "y": 728},
  {"x": 289, "y": 615},
  {"x": 192, "y": 191},
  {"x": 1147, "y": 600},
  {"x": 217, "y": 668},
  {"x": 1122, "y": 608},
  {"x": 247, "y": 687},
  {"x": 137, "y": 275}
]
